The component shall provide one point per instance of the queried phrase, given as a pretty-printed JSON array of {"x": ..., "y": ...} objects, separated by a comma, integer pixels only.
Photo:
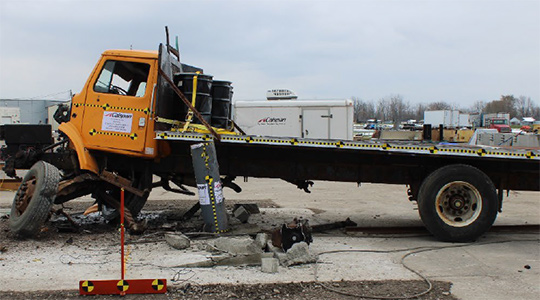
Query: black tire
[
  {"x": 142, "y": 181},
  {"x": 457, "y": 203},
  {"x": 135, "y": 203},
  {"x": 30, "y": 211}
]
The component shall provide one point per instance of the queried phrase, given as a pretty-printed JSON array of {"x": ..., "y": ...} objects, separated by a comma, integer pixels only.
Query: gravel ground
[{"x": 389, "y": 289}]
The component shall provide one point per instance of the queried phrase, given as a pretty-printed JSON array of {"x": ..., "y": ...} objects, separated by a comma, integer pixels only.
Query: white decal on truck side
[{"x": 116, "y": 121}]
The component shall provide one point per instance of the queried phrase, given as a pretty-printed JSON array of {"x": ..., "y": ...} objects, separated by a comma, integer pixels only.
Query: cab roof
[{"x": 132, "y": 53}]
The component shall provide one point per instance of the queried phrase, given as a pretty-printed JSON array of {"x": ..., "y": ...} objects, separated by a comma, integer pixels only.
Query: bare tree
[
  {"x": 418, "y": 111},
  {"x": 524, "y": 106},
  {"x": 535, "y": 112},
  {"x": 439, "y": 105},
  {"x": 363, "y": 110},
  {"x": 383, "y": 109},
  {"x": 393, "y": 108},
  {"x": 398, "y": 107},
  {"x": 478, "y": 107}
]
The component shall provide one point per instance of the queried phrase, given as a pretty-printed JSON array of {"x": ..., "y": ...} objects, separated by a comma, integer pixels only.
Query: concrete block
[
  {"x": 241, "y": 214},
  {"x": 269, "y": 265},
  {"x": 298, "y": 254},
  {"x": 236, "y": 245},
  {"x": 252, "y": 208},
  {"x": 177, "y": 241},
  {"x": 261, "y": 239}
]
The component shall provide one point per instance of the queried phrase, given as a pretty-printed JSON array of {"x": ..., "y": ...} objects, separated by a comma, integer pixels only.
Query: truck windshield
[
  {"x": 123, "y": 78},
  {"x": 499, "y": 122}
]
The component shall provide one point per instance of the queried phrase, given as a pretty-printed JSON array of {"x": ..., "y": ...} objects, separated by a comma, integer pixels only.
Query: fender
[{"x": 86, "y": 160}]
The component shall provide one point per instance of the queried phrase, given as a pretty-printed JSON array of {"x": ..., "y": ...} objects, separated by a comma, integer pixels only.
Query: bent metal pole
[{"x": 209, "y": 187}]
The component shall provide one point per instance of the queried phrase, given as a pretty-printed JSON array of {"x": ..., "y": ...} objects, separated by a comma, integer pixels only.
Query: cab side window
[{"x": 123, "y": 78}]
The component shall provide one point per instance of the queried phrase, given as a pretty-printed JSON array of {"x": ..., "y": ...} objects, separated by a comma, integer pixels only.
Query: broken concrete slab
[
  {"x": 177, "y": 241},
  {"x": 245, "y": 228},
  {"x": 242, "y": 260},
  {"x": 298, "y": 254},
  {"x": 228, "y": 260},
  {"x": 235, "y": 245}
]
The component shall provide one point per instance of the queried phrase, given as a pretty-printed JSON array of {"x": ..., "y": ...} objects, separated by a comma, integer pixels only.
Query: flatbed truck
[{"x": 122, "y": 135}]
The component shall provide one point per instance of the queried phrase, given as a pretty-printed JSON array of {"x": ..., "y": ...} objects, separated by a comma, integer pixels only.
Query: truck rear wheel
[
  {"x": 34, "y": 198},
  {"x": 457, "y": 203}
]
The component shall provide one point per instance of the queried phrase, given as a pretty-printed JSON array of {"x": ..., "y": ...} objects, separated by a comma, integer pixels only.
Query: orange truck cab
[{"x": 114, "y": 110}]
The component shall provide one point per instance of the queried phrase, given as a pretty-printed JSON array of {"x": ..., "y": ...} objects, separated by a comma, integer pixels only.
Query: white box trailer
[
  {"x": 316, "y": 119},
  {"x": 447, "y": 118},
  {"x": 464, "y": 120}
]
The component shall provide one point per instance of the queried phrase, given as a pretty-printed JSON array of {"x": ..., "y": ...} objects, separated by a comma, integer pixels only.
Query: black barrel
[
  {"x": 203, "y": 102},
  {"x": 221, "y": 103}
]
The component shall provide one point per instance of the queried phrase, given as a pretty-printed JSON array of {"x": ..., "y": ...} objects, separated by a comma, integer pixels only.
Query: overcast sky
[{"x": 455, "y": 51}]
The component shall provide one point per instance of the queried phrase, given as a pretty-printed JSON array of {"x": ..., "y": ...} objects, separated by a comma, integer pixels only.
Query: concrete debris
[
  {"x": 270, "y": 246},
  {"x": 243, "y": 260},
  {"x": 298, "y": 254},
  {"x": 241, "y": 214},
  {"x": 269, "y": 264},
  {"x": 177, "y": 241},
  {"x": 235, "y": 245},
  {"x": 251, "y": 208},
  {"x": 245, "y": 229},
  {"x": 261, "y": 239},
  {"x": 243, "y": 211}
]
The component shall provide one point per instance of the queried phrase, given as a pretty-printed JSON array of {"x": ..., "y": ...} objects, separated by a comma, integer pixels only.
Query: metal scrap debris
[{"x": 288, "y": 234}]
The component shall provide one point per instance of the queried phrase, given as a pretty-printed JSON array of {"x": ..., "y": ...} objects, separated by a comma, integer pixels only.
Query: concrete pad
[{"x": 492, "y": 268}]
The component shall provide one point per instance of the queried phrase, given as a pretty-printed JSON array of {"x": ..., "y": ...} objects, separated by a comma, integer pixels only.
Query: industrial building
[{"x": 25, "y": 111}]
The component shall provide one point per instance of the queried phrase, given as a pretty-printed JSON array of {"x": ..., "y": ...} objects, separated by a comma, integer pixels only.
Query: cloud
[{"x": 425, "y": 50}]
